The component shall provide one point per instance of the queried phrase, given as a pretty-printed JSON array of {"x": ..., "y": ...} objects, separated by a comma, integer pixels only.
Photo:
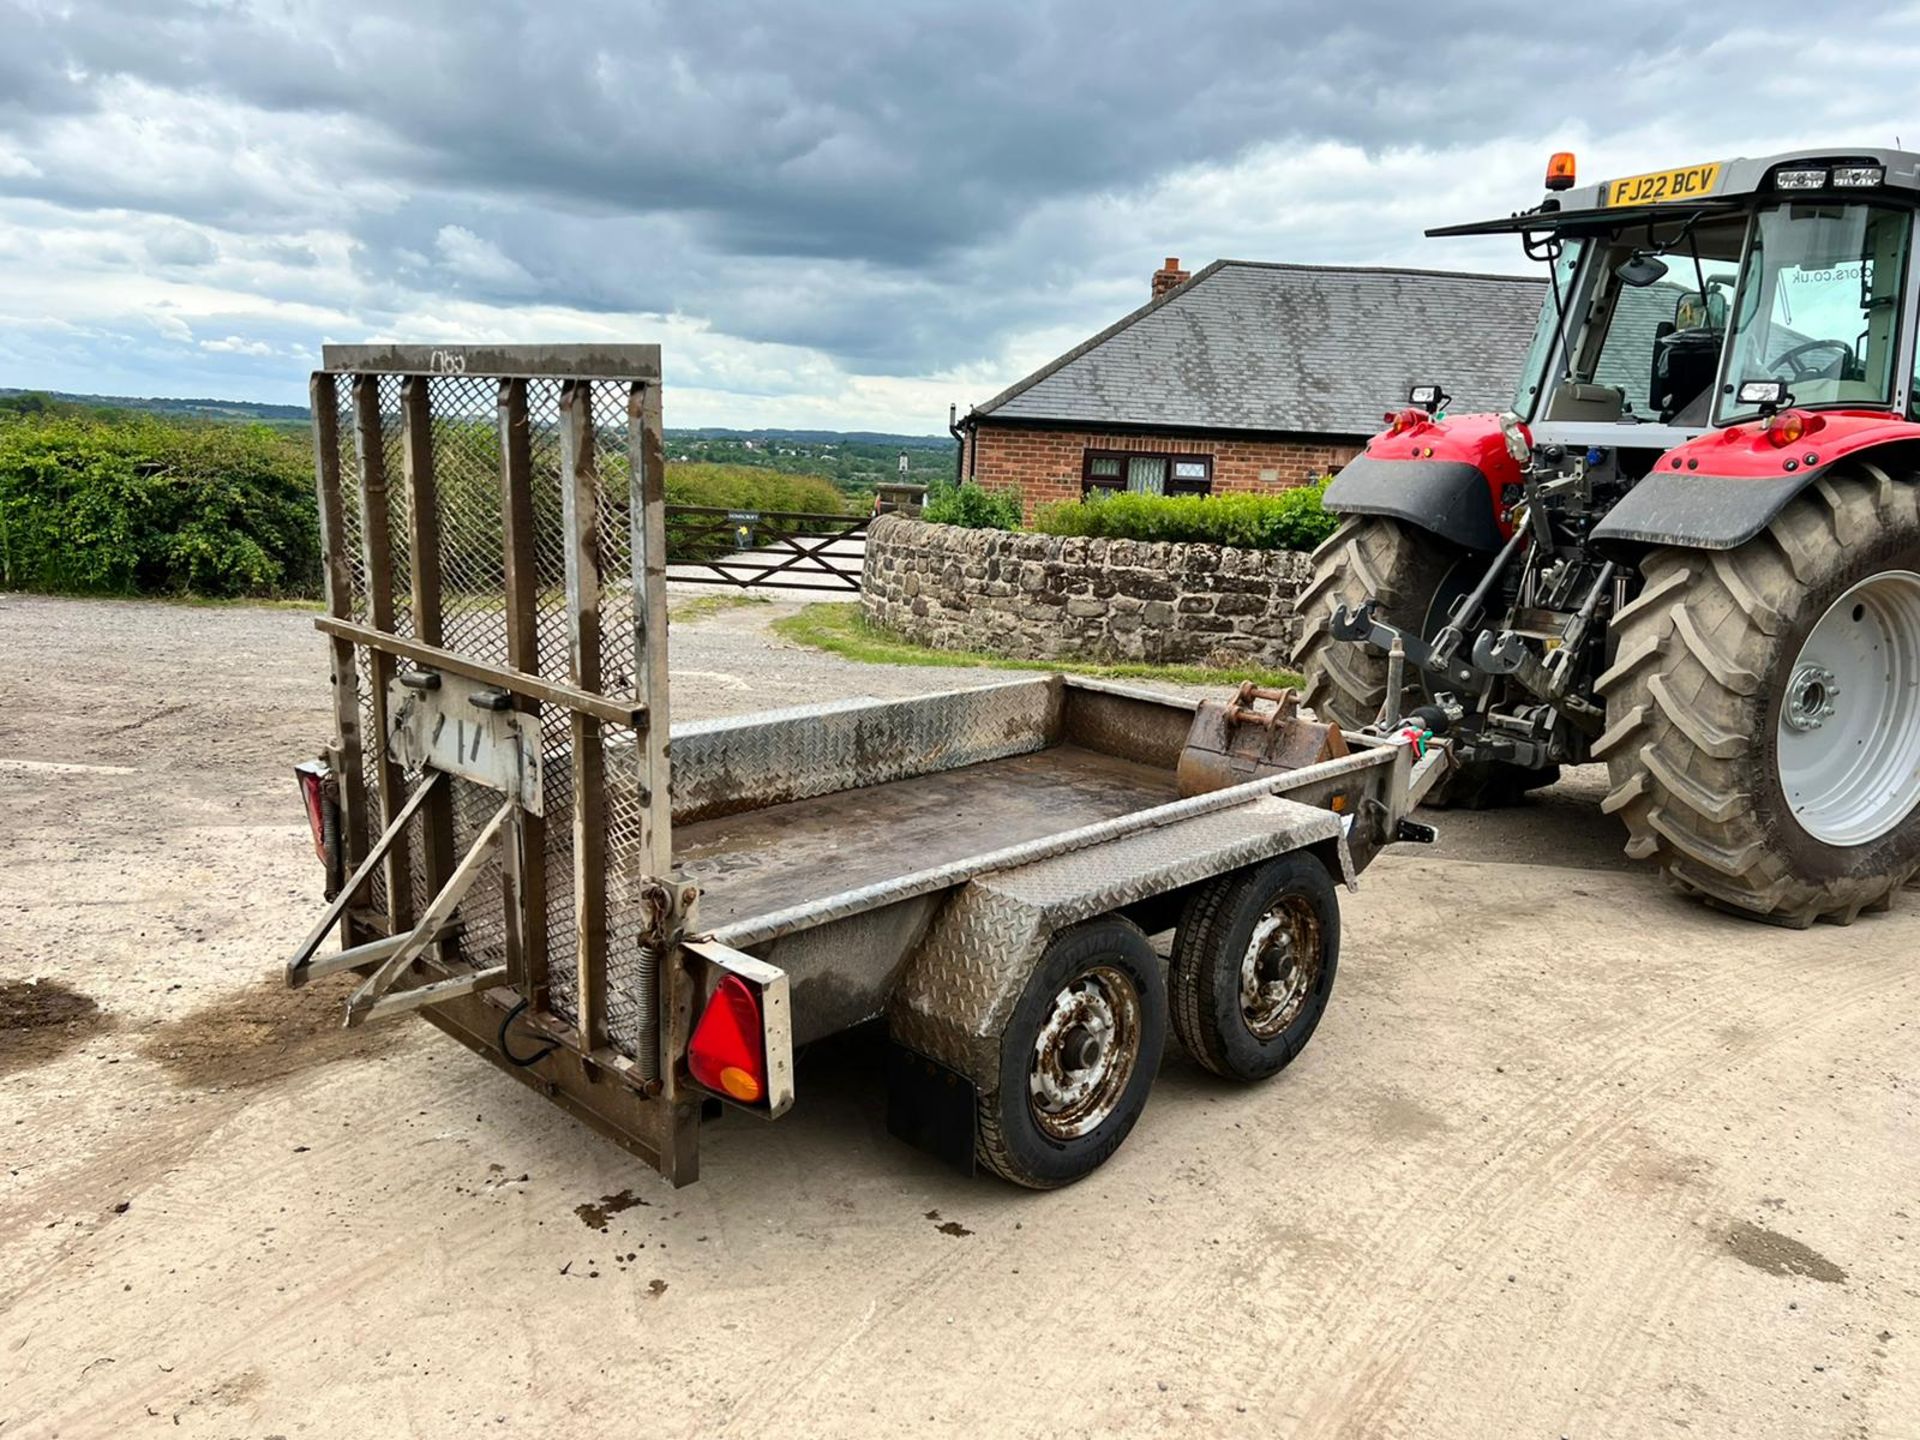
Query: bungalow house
[{"x": 1249, "y": 376}]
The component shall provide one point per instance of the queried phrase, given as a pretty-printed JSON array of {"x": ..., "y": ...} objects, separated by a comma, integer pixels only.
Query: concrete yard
[{"x": 1570, "y": 1155}]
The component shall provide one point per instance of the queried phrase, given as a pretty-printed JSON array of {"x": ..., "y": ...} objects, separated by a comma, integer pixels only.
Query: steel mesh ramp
[{"x": 493, "y": 525}]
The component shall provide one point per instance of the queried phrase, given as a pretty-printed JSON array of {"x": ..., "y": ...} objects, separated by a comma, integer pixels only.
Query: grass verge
[
  {"x": 701, "y": 606},
  {"x": 840, "y": 629}
]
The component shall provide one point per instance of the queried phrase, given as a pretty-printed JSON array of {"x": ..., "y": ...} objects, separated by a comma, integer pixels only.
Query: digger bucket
[{"x": 1255, "y": 734}]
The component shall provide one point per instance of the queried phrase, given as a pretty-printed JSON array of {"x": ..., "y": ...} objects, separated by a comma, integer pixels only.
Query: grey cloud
[
  {"x": 181, "y": 245},
  {"x": 854, "y": 177}
]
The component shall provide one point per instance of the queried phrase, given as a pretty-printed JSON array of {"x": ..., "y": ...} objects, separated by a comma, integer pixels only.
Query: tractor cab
[{"x": 1670, "y": 292}]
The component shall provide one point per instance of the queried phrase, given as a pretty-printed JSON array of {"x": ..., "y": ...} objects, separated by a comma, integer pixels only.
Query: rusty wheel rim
[
  {"x": 1084, "y": 1054},
  {"x": 1280, "y": 967}
]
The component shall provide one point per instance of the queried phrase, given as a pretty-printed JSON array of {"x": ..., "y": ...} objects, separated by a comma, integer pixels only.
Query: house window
[{"x": 1111, "y": 471}]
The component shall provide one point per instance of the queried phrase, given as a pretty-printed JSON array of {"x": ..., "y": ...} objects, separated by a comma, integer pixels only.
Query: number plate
[
  {"x": 444, "y": 727},
  {"x": 1689, "y": 182}
]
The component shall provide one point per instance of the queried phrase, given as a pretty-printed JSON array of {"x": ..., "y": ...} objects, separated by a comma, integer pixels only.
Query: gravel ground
[{"x": 1569, "y": 1156}]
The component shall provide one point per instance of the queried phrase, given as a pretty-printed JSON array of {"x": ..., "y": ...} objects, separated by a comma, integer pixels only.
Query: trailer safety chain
[{"x": 507, "y": 1050}]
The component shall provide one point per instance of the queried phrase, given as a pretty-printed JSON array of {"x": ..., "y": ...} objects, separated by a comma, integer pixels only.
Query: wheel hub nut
[
  {"x": 1810, "y": 697},
  {"x": 1080, "y": 1049}
]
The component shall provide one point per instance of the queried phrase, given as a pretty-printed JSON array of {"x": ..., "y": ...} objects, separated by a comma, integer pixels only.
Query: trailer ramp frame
[{"x": 493, "y": 522}]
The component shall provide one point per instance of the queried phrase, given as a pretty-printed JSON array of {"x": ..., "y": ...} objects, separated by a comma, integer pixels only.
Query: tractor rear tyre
[
  {"x": 1404, "y": 568},
  {"x": 1763, "y": 708}
]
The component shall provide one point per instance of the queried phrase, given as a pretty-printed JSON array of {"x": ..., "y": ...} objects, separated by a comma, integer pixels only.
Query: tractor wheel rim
[
  {"x": 1280, "y": 967},
  {"x": 1085, "y": 1053},
  {"x": 1848, "y": 756}
]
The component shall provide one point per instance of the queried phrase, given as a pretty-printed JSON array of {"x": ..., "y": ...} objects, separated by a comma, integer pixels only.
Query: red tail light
[
  {"x": 313, "y": 794},
  {"x": 1789, "y": 426},
  {"x": 728, "y": 1052}
]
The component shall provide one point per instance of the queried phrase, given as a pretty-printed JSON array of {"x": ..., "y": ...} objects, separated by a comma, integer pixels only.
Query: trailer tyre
[
  {"x": 1253, "y": 966},
  {"x": 1763, "y": 708},
  {"x": 1077, "y": 1057},
  {"x": 1404, "y": 568}
]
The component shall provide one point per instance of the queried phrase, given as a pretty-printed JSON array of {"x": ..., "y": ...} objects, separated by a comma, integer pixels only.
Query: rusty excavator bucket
[{"x": 1234, "y": 741}]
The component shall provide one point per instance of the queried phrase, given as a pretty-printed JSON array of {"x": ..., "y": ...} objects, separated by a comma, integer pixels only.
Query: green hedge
[
  {"x": 97, "y": 501},
  {"x": 972, "y": 507},
  {"x": 125, "y": 504},
  {"x": 745, "y": 487},
  {"x": 1290, "y": 520}
]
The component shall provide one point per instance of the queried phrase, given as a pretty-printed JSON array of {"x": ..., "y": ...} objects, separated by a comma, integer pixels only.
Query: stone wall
[{"x": 1044, "y": 597}]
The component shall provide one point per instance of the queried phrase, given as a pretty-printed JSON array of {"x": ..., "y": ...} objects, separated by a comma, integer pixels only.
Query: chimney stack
[{"x": 1168, "y": 276}]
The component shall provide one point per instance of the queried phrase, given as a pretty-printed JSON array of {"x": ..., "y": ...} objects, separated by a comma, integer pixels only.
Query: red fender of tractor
[
  {"x": 1447, "y": 476},
  {"x": 1718, "y": 490}
]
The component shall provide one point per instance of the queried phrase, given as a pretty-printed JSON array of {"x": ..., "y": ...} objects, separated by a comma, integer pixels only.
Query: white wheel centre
[{"x": 1849, "y": 734}]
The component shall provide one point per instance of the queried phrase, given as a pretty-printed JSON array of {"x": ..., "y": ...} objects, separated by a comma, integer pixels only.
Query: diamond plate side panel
[
  {"x": 722, "y": 767},
  {"x": 958, "y": 989}
]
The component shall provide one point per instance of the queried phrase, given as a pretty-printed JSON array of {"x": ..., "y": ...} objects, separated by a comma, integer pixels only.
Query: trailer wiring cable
[{"x": 506, "y": 1050}]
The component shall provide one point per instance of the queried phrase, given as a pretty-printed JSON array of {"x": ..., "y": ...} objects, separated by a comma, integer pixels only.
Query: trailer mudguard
[
  {"x": 963, "y": 980},
  {"x": 1719, "y": 490}
]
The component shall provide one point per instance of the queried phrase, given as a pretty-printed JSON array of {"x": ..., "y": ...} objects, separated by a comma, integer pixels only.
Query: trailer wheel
[
  {"x": 1763, "y": 708},
  {"x": 1253, "y": 966},
  {"x": 1077, "y": 1057},
  {"x": 1415, "y": 576}
]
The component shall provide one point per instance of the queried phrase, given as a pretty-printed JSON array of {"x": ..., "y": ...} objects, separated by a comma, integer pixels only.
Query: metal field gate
[{"x": 493, "y": 527}]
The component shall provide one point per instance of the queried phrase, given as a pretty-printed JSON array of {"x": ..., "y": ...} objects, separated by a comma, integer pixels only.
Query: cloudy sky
[{"x": 839, "y": 216}]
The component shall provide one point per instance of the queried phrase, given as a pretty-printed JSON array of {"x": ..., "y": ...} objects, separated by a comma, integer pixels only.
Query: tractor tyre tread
[{"x": 1692, "y": 699}]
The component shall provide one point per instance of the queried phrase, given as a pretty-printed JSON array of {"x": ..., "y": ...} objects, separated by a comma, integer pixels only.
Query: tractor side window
[
  {"x": 1626, "y": 355},
  {"x": 1662, "y": 345},
  {"x": 1819, "y": 303},
  {"x": 1546, "y": 330}
]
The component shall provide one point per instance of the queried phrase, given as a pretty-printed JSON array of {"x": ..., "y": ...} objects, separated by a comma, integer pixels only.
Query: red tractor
[{"x": 1690, "y": 550}]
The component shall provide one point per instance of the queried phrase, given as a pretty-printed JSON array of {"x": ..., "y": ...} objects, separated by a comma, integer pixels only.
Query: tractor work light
[
  {"x": 1560, "y": 170},
  {"x": 1427, "y": 397},
  {"x": 1799, "y": 179},
  {"x": 1763, "y": 395},
  {"x": 1854, "y": 177}
]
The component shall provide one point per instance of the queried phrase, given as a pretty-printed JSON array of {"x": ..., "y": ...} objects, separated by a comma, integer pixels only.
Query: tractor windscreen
[{"x": 1819, "y": 303}]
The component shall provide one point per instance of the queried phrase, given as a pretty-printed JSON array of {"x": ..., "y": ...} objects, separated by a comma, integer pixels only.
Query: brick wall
[{"x": 1046, "y": 464}]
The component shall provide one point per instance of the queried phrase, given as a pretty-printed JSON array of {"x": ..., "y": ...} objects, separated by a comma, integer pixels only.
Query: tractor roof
[{"x": 1724, "y": 186}]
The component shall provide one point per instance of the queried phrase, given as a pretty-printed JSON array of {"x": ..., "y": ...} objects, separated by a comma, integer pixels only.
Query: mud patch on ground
[
  {"x": 1779, "y": 1254},
  {"x": 1394, "y": 1116},
  {"x": 950, "y": 1227},
  {"x": 595, "y": 1214},
  {"x": 265, "y": 1033},
  {"x": 40, "y": 1019}
]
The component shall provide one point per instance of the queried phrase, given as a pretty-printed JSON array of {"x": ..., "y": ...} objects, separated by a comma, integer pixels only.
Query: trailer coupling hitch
[{"x": 1364, "y": 626}]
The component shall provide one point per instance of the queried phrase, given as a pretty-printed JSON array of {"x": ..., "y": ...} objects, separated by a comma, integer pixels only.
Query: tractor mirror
[
  {"x": 1694, "y": 311},
  {"x": 1640, "y": 270}
]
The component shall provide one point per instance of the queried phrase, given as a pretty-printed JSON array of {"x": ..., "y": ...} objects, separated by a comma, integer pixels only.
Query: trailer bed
[{"x": 766, "y": 860}]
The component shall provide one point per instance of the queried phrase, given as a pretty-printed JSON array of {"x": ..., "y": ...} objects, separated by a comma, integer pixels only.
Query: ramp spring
[{"x": 646, "y": 985}]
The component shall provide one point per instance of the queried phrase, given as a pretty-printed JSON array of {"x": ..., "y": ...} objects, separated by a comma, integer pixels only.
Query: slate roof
[{"x": 1315, "y": 349}]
